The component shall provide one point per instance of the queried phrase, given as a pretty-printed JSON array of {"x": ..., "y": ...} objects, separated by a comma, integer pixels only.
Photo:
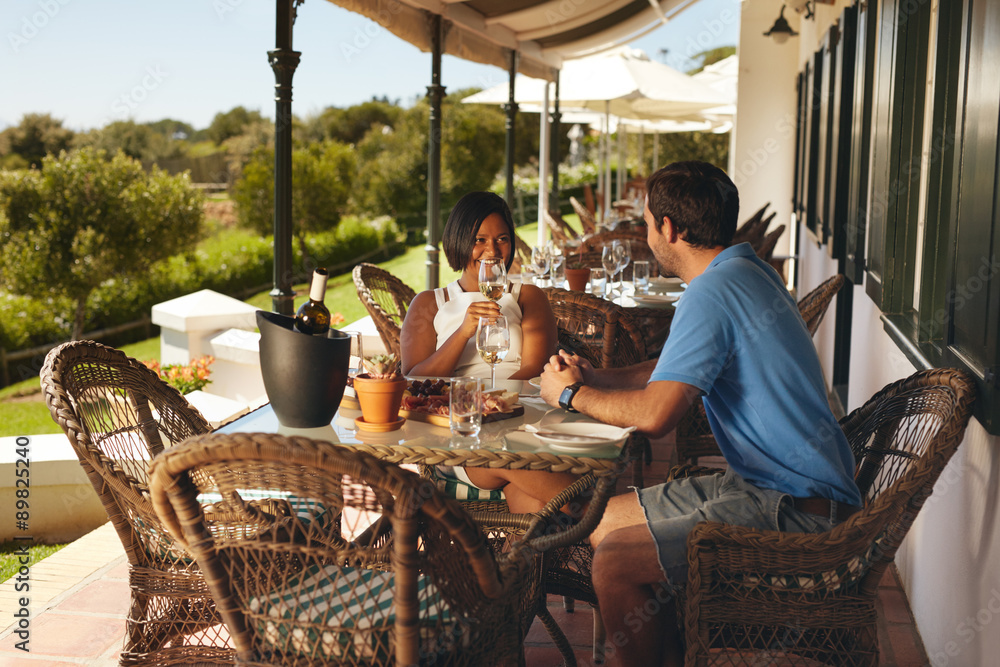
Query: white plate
[
  {"x": 536, "y": 382},
  {"x": 666, "y": 284},
  {"x": 654, "y": 299},
  {"x": 574, "y": 436}
]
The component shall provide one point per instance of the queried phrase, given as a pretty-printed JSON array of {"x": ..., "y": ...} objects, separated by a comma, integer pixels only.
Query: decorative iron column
[
  {"x": 511, "y": 109},
  {"x": 435, "y": 92},
  {"x": 283, "y": 61},
  {"x": 554, "y": 151}
]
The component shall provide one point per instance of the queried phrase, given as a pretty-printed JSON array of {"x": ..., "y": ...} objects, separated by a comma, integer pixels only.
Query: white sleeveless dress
[{"x": 451, "y": 313}]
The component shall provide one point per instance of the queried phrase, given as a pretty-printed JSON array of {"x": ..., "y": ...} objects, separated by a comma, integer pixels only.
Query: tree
[
  {"x": 711, "y": 56},
  {"x": 322, "y": 177},
  {"x": 231, "y": 123},
  {"x": 37, "y": 135},
  {"x": 84, "y": 219},
  {"x": 136, "y": 140}
]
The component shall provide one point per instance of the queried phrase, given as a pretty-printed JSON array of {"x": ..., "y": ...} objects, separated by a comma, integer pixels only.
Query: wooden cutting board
[
  {"x": 442, "y": 420},
  {"x": 351, "y": 402}
]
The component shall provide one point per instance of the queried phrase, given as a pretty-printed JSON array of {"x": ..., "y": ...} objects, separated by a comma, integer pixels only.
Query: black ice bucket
[{"x": 304, "y": 376}]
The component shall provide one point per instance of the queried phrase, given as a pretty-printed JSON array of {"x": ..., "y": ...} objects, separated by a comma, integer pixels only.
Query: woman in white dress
[{"x": 438, "y": 337}]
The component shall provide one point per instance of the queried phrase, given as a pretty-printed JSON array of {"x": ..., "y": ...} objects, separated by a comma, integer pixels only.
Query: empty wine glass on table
[
  {"x": 609, "y": 260},
  {"x": 492, "y": 278},
  {"x": 540, "y": 262},
  {"x": 493, "y": 343},
  {"x": 623, "y": 255}
]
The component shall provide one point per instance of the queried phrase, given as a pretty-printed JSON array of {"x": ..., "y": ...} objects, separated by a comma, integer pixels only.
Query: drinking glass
[
  {"x": 356, "y": 365},
  {"x": 465, "y": 407},
  {"x": 493, "y": 343},
  {"x": 598, "y": 281},
  {"x": 557, "y": 261},
  {"x": 540, "y": 262},
  {"x": 609, "y": 259},
  {"x": 640, "y": 276},
  {"x": 623, "y": 255},
  {"x": 492, "y": 278}
]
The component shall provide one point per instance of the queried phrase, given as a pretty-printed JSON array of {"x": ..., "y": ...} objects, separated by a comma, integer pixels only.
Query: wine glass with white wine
[
  {"x": 493, "y": 343},
  {"x": 492, "y": 278}
]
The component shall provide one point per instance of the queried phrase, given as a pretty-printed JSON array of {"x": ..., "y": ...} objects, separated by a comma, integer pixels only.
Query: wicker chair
[
  {"x": 753, "y": 229},
  {"x": 806, "y": 598},
  {"x": 765, "y": 249},
  {"x": 596, "y": 329},
  {"x": 559, "y": 229},
  {"x": 637, "y": 237},
  {"x": 694, "y": 437},
  {"x": 118, "y": 415},
  {"x": 813, "y": 306},
  {"x": 405, "y": 577},
  {"x": 586, "y": 217},
  {"x": 386, "y": 299}
]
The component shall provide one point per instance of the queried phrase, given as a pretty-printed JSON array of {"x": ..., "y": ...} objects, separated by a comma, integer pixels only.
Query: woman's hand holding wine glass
[
  {"x": 493, "y": 343},
  {"x": 492, "y": 278}
]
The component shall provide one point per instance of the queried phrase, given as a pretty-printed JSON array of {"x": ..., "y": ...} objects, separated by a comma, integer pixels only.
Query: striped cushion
[
  {"x": 455, "y": 488},
  {"x": 344, "y": 613}
]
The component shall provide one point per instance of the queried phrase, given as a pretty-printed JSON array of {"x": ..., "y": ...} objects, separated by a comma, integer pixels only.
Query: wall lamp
[
  {"x": 807, "y": 6},
  {"x": 781, "y": 31}
]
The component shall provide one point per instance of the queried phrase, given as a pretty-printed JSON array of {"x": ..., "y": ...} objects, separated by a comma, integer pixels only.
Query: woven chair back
[
  {"x": 813, "y": 306},
  {"x": 754, "y": 228},
  {"x": 745, "y": 588},
  {"x": 586, "y": 217},
  {"x": 597, "y": 330},
  {"x": 765, "y": 249},
  {"x": 559, "y": 230},
  {"x": 386, "y": 299},
  {"x": 118, "y": 414},
  {"x": 355, "y": 562}
]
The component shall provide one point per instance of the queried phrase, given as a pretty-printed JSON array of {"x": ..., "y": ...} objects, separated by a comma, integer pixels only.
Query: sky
[{"x": 91, "y": 62}]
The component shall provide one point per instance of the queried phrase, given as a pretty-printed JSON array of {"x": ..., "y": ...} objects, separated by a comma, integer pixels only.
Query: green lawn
[
  {"x": 10, "y": 561},
  {"x": 31, "y": 417}
]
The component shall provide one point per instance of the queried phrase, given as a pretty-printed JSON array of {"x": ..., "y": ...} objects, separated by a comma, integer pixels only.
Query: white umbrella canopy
[{"x": 624, "y": 83}]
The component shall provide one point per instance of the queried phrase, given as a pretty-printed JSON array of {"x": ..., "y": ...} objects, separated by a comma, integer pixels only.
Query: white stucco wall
[
  {"x": 950, "y": 561},
  {"x": 764, "y": 151}
]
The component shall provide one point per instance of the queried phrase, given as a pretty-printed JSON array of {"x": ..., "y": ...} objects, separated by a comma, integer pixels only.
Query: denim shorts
[{"x": 672, "y": 510}]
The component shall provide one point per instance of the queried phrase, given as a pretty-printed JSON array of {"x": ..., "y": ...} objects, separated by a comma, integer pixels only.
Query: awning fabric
[{"x": 544, "y": 33}]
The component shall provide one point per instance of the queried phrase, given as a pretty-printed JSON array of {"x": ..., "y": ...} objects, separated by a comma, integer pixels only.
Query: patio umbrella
[{"x": 623, "y": 83}]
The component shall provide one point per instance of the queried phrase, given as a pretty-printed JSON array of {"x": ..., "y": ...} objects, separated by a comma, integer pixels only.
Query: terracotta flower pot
[
  {"x": 578, "y": 279},
  {"x": 380, "y": 399},
  {"x": 304, "y": 376}
]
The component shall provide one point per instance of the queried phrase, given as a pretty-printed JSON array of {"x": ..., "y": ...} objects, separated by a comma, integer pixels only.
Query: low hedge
[{"x": 234, "y": 263}]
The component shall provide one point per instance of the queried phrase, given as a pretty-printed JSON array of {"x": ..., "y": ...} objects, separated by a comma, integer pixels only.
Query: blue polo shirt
[{"x": 738, "y": 337}]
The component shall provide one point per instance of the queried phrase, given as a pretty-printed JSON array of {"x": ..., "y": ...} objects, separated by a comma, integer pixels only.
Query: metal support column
[
  {"x": 511, "y": 109},
  {"x": 435, "y": 92},
  {"x": 283, "y": 61},
  {"x": 554, "y": 151}
]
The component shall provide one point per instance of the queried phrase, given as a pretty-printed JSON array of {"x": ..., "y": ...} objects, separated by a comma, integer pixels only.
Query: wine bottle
[{"x": 313, "y": 317}]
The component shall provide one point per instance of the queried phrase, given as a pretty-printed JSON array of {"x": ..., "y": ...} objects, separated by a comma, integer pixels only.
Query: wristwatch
[{"x": 566, "y": 397}]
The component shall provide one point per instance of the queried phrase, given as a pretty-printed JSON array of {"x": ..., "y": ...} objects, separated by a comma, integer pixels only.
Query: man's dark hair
[
  {"x": 700, "y": 200},
  {"x": 463, "y": 224}
]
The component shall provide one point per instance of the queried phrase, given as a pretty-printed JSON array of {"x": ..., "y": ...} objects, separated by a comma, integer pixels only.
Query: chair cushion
[
  {"x": 345, "y": 613},
  {"x": 453, "y": 487}
]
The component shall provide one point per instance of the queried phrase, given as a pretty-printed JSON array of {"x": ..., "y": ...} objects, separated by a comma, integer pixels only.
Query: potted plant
[
  {"x": 578, "y": 275},
  {"x": 380, "y": 389}
]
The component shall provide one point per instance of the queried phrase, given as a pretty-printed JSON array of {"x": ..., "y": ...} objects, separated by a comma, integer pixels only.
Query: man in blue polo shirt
[{"x": 738, "y": 343}]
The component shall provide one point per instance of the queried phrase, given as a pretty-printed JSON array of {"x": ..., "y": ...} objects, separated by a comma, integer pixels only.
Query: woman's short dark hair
[
  {"x": 699, "y": 198},
  {"x": 463, "y": 224}
]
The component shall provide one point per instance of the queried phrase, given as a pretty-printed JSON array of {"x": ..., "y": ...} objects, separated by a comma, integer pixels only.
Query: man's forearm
[
  {"x": 654, "y": 410},
  {"x": 630, "y": 377}
]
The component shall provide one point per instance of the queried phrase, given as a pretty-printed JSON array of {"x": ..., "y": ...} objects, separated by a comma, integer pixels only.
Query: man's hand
[{"x": 563, "y": 370}]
